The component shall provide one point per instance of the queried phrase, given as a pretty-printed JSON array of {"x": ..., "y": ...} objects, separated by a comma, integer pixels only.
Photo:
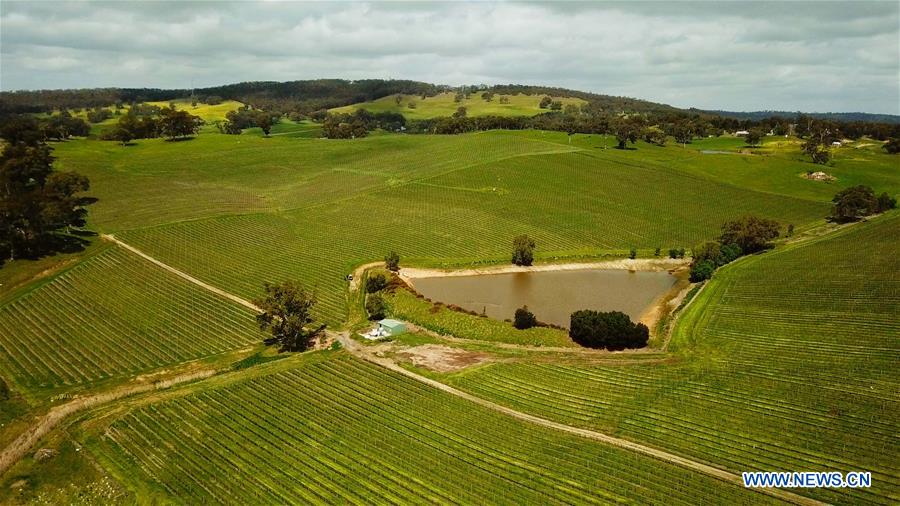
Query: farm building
[
  {"x": 742, "y": 133},
  {"x": 392, "y": 327},
  {"x": 386, "y": 328}
]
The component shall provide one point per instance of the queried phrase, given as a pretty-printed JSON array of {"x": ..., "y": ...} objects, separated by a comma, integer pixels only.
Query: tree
[
  {"x": 673, "y": 253},
  {"x": 545, "y": 102},
  {"x": 488, "y": 96},
  {"x": 656, "y": 252},
  {"x": 264, "y": 122},
  {"x": 613, "y": 330},
  {"x": 556, "y": 105},
  {"x": 702, "y": 270},
  {"x": 460, "y": 112},
  {"x": 375, "y": 306},
  {"x": 524, "y": 319},
  {"x": 376, "y": 282},
  {"x": 885, "y": 203},
  {"x": 392, "y": 261},
  {"x": 754, "y": 136},
  {"x": 892, "y": 146},
  {"x": 625, "y": 131},
  {"x": 523, "y": 250},
  {"x": 790, "y": 230},
  {"x": 632, "y": 254},
  {"x": 654, "y": 135},
  {"x": 749, "y": 233},
  {"x": 853, "y": 203},
  {"x": 37, "y": 204},
  {"x": 287, "y": 315},
  {"x": 178, "y": 124},
  {"x": 710, "y": 250}
]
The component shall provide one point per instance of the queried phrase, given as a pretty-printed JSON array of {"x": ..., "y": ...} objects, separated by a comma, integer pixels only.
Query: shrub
[
  {"x": 729, "y": 253},
  {"x": 376, "y": 282},
  {"x": 681, "y": 253},
  {"x": 632, "y": 254},
  {"x": 892, "y": 146},
  {"x": 375, "y": 306},
  {"x": 392, "y": 261},
  {"x": 524, "y": 319},
  {"x": 702, "y": 270},
  {"x": 673, "y": 253},
  {"x": 613, "y": 330},
  {"x": 656, "y": 252}
]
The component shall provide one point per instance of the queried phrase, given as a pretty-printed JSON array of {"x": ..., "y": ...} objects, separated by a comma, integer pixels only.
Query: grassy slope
[
  {"x": 113, "y": 314},
  {"x": 788, "y": 361},
  {"x": 444, "y": 105},
  {"x": 320, "y": 431}
]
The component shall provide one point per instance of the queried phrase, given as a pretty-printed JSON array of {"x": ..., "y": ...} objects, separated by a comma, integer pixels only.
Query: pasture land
[
  {"x": 443, "y": 104},
  {"x": 787, "y": 361},
  {"x": 321, "y": 431},
  {"x": 113, "y": 315}
]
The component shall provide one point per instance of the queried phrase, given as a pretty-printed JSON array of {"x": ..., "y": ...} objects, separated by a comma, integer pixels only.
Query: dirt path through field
[
  {"x": 26, "y": 441},
  {"x": 217, "y": 291}
]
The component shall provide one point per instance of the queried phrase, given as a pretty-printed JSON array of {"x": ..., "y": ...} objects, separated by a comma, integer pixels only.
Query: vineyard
[
  {"x": 114, "y": 314},
  {"x": 774, "y": 375},
  {"x": 320, "y": 433},
  {"x": 432, "y": 211}
]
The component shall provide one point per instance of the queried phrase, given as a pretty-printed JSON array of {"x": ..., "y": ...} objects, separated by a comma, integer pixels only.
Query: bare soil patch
[{"x": 439, "y": 358}]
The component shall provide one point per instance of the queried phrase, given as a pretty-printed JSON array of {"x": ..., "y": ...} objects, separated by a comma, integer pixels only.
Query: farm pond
[{"x": 551, "y": 295}]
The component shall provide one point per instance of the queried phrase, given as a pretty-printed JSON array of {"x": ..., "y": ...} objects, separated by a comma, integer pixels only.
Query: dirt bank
[{"x": 640, "y": 264}]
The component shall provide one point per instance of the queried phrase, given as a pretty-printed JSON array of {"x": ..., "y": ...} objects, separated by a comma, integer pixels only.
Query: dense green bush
[
  {"x": 612, "y": 330},
  {"x": 376, "y": 282},
  {"x": 524, "y": 319},
  {"x": 702, "y": 270},
  {"x": 375, "y": 306}
]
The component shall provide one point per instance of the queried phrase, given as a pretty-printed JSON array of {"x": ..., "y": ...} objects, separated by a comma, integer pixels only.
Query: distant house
[
  {"x": 836, "y": 144},
  {"x": 742, "y": 133}
]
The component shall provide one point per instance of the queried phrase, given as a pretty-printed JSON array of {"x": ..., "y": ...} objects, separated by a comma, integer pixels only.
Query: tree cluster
[
  {"x": 39, "y": 206},
  {"x": 612, "y": 330},
  {"x": 746, "y": 235},
  {"x": 148, "y": 122},
  {"x": 360, "y": 123},
  {"x": 854, "y": 203},
  {"x": 245, "y": 117}
]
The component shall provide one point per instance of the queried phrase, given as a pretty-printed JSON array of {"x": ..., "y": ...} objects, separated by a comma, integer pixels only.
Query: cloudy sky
[{"x": 742, "y": 55}]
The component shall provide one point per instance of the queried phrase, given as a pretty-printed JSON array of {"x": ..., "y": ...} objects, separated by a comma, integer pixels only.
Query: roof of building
[{"x": 390, "y": 323}]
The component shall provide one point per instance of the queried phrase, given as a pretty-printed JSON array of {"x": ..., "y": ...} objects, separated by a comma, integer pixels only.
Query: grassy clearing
[
  {"x": 787, "y": 361},
  {"x": 319, "y": 432},
  {"x": 114, "y": 314},
  {"x": 443, "y": 104},
  {"x": 406, "y": 306}
]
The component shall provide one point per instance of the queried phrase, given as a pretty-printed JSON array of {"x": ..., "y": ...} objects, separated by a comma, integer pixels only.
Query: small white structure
[
  {"x": 386, "y": 328},
  {"x": 742, "y": 133},
  {"x": 836, "y": 144}
]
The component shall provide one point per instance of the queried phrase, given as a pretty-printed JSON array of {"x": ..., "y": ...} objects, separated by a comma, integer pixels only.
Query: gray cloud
[{"x": 829, "y": 56}]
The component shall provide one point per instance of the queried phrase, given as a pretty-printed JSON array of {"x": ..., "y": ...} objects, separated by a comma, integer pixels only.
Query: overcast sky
[{"x": 739, "y": 56}]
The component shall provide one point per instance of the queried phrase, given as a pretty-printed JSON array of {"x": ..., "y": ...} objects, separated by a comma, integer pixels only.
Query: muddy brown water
[{"x": 551, "y": 295}]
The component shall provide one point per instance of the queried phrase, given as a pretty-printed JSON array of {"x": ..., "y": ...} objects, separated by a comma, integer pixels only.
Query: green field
[
  {"x": 322, "y": 432},
  {"x": 773, "y": 374},
  {"x": 443, "y": 104},
  {"x": 111, "y": 315},
  {"x": 785, "y": 361}
]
